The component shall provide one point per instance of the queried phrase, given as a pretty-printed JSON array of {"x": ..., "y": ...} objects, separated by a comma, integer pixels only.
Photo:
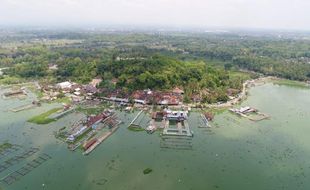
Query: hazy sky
[{"x": 272, "y": 14}]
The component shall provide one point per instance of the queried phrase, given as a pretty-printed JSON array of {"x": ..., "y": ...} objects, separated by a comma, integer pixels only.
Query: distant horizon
[
  {"x": 140, "y": 27},
  {"x": 234, "y": 14}
]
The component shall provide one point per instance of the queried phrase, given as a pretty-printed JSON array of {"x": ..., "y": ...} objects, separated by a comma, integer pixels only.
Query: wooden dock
[
  {"x": 58, "y": 115},
  {"x": 73, "y": 147},
  {"x": 101, "y": 139},
  {"x": 259, "y": 116},
  {"x": 24, "y": 107}
]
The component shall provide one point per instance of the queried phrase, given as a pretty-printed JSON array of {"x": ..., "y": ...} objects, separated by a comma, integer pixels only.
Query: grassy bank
[
  {"x": 43, "y": 118},
  {"x": 65, "y": 100},
  {"x": 291, "y": 83},
  {"x": 90, "y": 111},
  {"x": 215, "y": 111},
  {"x": 135, "y": 128},
  {"x": 8, "y": 80}
]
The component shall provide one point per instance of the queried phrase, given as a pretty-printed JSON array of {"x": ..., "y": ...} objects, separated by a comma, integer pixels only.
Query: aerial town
[{"x": 154, "y": 94}]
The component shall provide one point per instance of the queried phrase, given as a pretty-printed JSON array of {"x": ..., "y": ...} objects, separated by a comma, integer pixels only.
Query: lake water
[{"x": 235, "y": 154}]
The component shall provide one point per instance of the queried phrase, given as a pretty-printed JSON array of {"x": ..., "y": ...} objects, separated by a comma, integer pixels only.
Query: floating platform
[
  {"x": 14, "y": 93},
  {"x": 134, "y": 120},
  {"x": 182, "y": 129},
  {"x": 100, "y": 140},
  {"x": 24, "y": 107},
  {"x": 250, "y": 113}
]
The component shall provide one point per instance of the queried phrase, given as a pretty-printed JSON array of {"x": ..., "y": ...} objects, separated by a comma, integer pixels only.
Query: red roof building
[{"x": 177, "y": 91}]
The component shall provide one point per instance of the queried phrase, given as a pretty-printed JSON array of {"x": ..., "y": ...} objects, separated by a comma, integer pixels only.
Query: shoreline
[
  {"x": 238, "y": 99},
  {"x": 249, "y": 84},
  {"x": 241, "y": 96}
]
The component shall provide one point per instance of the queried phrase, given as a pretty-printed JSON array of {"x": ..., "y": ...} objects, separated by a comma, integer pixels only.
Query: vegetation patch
[
  {"x": 34, "y": 90},
  {"x": 164, "y": 73},
  {"x": 91, "y": 111},
  {"x": 44, "y": 117},
  {"x": 216, "y": 111},
  {"x": 242, "y": 75},
  {"x": 63, "y": 128},
  {"x": 290, "y": 83},
  {"x": 60, "y": 135},
  {"x": 66, "y": 100},
  {"x": 135, "y": 128},
  {"x": 8, "y": 80},
  {"x": 147, "y": 171},
  {"x": 5, "y": 146}
]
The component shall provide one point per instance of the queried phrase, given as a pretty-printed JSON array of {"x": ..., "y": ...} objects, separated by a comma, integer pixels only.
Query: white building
[
  {"x": 176, "y": 115},
  {"x": 64, "y": 85}
]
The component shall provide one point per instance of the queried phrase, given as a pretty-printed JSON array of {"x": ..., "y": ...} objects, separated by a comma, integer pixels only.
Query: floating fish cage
[
  {"x": 16, "y": 175},
  {"x": 176, "y": 142},
  {"x": 9, "y": 150},
  {"x": 16, "y": 159}
]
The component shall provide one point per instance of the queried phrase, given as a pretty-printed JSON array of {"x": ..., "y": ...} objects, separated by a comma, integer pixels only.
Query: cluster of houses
[
  {"x": 76, "y": 92},
  {"x": 144, "y": 97},
  {"x": 170, "y": 115}
]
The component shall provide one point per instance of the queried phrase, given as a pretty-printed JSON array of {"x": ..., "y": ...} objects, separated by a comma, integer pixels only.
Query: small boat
[{"x": 151, "y": 129}]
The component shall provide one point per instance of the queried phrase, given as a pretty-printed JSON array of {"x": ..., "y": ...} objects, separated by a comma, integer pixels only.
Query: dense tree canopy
[{"x": 195, "y": 61}]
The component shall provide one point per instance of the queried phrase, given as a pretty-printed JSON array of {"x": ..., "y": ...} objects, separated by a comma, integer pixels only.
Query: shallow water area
[{"x": 235, "y": 153}]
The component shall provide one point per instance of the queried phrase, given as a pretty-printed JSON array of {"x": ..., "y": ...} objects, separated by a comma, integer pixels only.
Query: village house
[
  {"x": 147, "y": 97},
  {"x": 176, "y": 115},
  {"x": 95, "y": 82},
  {"x": 64, "y": 85},
  {"x": 119, "y": 100},
  {"x": 232, "y": 92},
  {"x": 140, "y": 96},
  {"x": 76, "y": 98},
  {"x": 177, "y": 91},
  {"x": 196, "y": 98},
  {"x": 168, "y": 99}
]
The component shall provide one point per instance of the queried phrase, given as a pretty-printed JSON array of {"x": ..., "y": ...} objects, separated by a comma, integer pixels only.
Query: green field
[
  {"x": 290, "y": 83},
  {"x": 43, "y": 118},
  {"x": 135, "y": 128}
]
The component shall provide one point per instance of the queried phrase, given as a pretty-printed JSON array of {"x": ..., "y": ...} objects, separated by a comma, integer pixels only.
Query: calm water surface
[{"x": 235, "y": 154}]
